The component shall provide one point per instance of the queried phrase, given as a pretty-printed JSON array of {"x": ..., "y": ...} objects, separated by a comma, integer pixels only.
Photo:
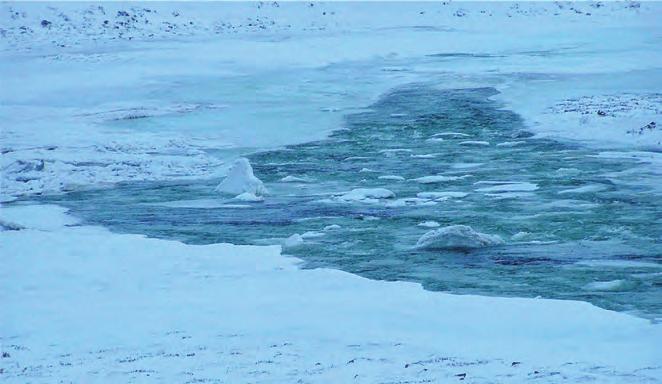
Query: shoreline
[{"x": 141, "y": 315}]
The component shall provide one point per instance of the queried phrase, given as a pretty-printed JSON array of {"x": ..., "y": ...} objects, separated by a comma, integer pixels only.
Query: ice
[
  {"x": 475, "y": 143},
  {"x": 332, "y": 227},
  {"x": 294, "y": 179},
  {"x": 198, "y": 204},
  {"x": 248, "y": 196},
  {"x": 293, "y": 241},
  {"x": 510, "y": 187},
  {"x": 394, "y": 152},
  {"x": 520, "y": 236},
  {"x": 410, "y": 201},
  {"x": 240, "y": 179},
  {"x": 453, "y": 134},
  {"x": 611, "y": 286},
  {"x": 442, "y": 195},
  {"x": 361, "y": 194},
  {"x": 457, "y": 237},
  {"x": 438, "y": 179},
  {"x": 429, "y": 224},
  {"x": 311, "y": 235},
  {"x": 426, "y": 156},
  {"x": 435, "y": 140},
  {"x": 584, "y": 189},
  {"x": 391, "y": 177},
  {"x": 510, "y": 143}
]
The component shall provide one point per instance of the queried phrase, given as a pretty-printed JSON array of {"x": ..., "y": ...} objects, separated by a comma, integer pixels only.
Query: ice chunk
[
  {"x": 367, "y": 193},
  {"x": 455, "y": 134},
  {"x": 394, "y": 151},
  {"x": 429, "y": 224},
  {"x": 585, "y": 189},
  {"x": 311, "y": 235},
  {"x": 457, "y": 237},
  {"x": 613, "y": 285},
  {"x": 241, "y": 179},
  {"x": 293, "y": 179},
  {"x": 510, "y": 143},
  {"x": 520, "y": 236},
  {"x": 293, "y": 241},
  {"x": 248, "y": 196},
  {"x": 332, "y": 227},
  {"x": 438, "y": 179},
  {"x": 510, "y": 187},
  {"x": 441, "y": 195},
  {"x": 435, "y": 140},
  {"x": 391, "y": 177}
]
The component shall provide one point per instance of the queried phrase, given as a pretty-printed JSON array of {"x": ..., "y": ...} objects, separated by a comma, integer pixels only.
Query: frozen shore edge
[{"x": 85, "y": 303}]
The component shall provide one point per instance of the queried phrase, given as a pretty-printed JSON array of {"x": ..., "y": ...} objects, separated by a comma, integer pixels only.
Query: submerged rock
[
  {"x": 240, "y": 179},
  {"x": 457, "y": 237}
]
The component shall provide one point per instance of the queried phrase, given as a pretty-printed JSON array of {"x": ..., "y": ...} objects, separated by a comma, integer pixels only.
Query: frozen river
[{"x": 576, "y": 223}]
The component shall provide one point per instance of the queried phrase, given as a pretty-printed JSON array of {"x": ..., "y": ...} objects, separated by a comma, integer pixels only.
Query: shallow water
[{"x": 576, "y": 226}]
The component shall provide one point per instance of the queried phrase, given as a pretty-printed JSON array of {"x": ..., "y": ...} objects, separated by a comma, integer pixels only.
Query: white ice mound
[
  {"x": 241, "y": 179},
  {"x": 367, "y": 193},
  {"x": 457, "y": 237}
]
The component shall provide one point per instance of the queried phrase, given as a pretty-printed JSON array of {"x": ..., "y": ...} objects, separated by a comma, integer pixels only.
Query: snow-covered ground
[
  {"x": 83, "y": 304},
  {"x": 95, "y": 94}
]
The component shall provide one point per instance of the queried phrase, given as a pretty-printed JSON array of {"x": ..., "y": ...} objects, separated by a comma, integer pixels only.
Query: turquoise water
[{"x": 559, "y": 240}]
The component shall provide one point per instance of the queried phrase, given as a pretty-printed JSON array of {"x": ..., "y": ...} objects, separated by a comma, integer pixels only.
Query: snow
[
  {"x": 133, "y": 60},
  {"x": 457, "y": 237},
  {"x": 164, "y": 91},
  {"x": 240, "y": 179},
  {"x": 85, "y": 305}
]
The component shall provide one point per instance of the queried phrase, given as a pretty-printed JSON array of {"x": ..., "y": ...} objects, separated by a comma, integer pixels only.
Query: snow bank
[
  {"x": 240, "y": 179},
  {"x": 82, "y": 303},
  {"x": 457, "y": 237}
]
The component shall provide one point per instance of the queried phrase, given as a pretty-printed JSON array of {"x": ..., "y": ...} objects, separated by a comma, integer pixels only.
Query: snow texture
[{"x": 85, "y": 305}]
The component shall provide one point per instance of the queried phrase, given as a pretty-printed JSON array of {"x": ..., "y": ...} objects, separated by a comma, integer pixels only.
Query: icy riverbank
[
  {"x": 93, "y": 95},
  {"x": 88, "y": 304}
]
